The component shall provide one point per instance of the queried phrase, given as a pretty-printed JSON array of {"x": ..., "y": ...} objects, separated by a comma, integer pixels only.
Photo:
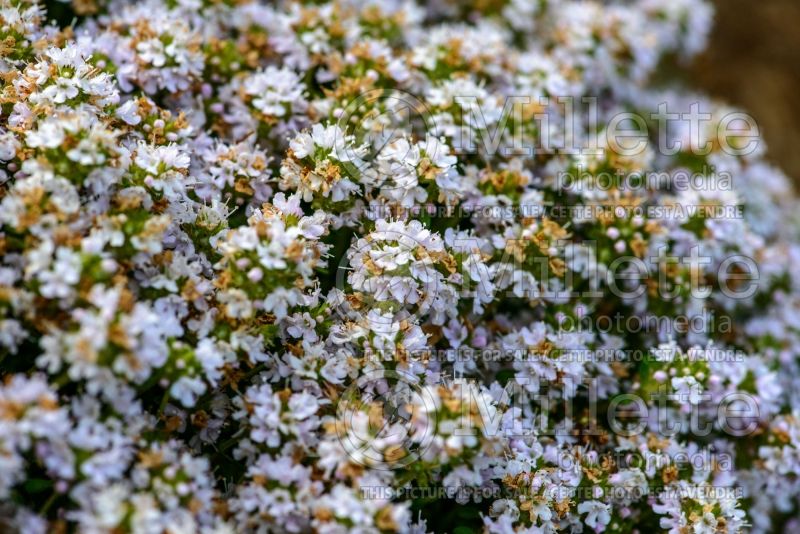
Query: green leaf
[{"x": 37, "y": 485}]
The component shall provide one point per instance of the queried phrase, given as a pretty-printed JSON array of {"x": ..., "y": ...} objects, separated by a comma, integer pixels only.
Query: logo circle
[
  {"x": 386, "y": 419},
  {"x": 407, "y": 292},
  {"x": 382, "y": 119}
]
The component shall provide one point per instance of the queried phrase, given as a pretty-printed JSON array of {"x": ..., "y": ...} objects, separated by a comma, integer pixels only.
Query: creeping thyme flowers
[{"x": 334, "y": 267}]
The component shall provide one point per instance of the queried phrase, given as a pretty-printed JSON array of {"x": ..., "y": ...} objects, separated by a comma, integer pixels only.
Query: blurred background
[{"x": 753, "y": 62}]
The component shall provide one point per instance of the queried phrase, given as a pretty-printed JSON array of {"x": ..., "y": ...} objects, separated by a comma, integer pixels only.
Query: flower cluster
[{"x": 259, "y": 260}]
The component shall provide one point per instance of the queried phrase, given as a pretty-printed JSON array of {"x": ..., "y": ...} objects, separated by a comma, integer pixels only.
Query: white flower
[
  {"x": 687, "y": 389},
  {"x": 302, "y": 145},
  {"x": 187, "y": 390},
  {"x": 152, "y": 51},
  {"x": 49, "y": 135},
  {"x": 598, "y": 515},
  {"x": 129, "y": 112}
]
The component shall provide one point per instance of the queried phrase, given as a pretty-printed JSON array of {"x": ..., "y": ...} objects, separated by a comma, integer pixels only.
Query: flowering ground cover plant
[{"x": 395, "y": 266}]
